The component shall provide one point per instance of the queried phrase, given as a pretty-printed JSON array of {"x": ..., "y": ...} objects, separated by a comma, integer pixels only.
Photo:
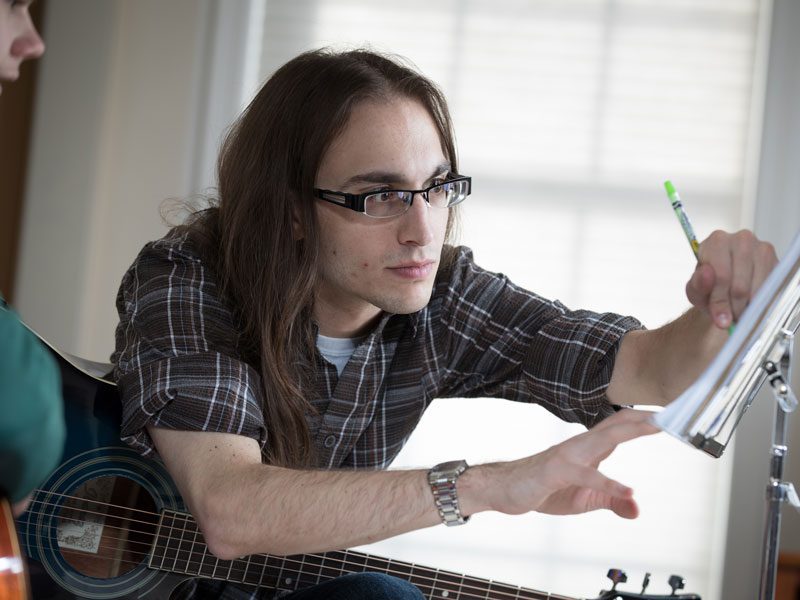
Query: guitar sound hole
[{"x": 106, "y": 527}]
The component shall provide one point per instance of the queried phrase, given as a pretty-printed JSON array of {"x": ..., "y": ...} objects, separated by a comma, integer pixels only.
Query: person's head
[
  {"x": 19, "y": 39},
  {"x": 349, "y": 122}
]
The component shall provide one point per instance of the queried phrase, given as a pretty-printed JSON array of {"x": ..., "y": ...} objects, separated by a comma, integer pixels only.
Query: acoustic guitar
[{"x": 109, "y": 524}]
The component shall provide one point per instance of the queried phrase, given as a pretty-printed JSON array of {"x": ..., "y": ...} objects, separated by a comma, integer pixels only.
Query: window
[{"x": 570, "y": 114}]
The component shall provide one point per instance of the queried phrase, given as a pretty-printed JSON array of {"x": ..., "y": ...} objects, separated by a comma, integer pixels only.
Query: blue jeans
[{"x": 360, "y": 586}]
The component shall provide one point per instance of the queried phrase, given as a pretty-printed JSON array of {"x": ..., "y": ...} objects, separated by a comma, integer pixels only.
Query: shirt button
[{"x": 330, "y": 441}]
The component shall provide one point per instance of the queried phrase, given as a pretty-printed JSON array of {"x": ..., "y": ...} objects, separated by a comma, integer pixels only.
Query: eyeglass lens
[{"x": 394, "y": 202}]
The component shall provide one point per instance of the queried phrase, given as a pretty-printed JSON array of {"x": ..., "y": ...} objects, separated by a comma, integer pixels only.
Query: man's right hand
[{"x": 563, "y": 479}]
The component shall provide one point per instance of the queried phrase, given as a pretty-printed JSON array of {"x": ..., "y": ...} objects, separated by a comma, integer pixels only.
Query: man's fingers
[
  {"x": 590, "y": 478},
  {"x": 743, "y": 265},
  {"x": 766, "y": 259},
  {"x": 700, "y": 285},
  {"x": 594, "y": 491},
  {"x": 600, "y": 441},
  {"x": 731, "y": 268},
  {"x": 626, "y": 415},
  {"x": 716, "y": 252},
  {"x": 627, "y": 508}
]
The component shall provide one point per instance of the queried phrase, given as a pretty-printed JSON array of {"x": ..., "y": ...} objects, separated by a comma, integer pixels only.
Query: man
[
  {"x": 278, "y": 351},
  {"x": 19, "y": 39},
  {"x": 32, "y": 427}
]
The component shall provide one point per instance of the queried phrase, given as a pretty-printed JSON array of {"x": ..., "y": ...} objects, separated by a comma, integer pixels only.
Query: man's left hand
[{"x": 730, "y": 269}]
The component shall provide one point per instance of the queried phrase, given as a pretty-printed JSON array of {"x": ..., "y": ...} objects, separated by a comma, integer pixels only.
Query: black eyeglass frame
[{"x": 357, "y": 202}]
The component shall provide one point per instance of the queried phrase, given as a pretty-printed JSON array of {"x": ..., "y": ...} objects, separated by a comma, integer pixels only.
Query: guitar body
[{"x": 93, "y": 452}]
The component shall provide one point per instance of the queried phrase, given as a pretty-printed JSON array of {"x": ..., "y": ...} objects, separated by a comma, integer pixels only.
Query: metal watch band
[{"x": 442, "y": 479}]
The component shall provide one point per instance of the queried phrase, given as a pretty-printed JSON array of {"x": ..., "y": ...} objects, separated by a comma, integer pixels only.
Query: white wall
[
  {"x": 114, "y": 134},
  {"x": 777, "y": 218}
]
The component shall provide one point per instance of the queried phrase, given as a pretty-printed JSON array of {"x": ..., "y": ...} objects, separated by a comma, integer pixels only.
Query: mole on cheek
[{"x": 365, "y": 265}]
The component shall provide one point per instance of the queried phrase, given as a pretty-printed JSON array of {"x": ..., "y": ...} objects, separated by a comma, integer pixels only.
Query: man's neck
[{"x": 337, "y": 323}]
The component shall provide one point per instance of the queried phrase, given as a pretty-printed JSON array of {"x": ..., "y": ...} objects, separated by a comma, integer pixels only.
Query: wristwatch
[{"x": 442, "y": 479}]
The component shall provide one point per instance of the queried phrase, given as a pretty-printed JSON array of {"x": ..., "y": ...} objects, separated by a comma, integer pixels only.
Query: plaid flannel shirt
[{"x": 178, "y": 367}]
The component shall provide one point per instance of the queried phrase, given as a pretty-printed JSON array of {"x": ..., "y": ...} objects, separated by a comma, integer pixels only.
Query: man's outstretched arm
[{"x": 245, "y": 507}]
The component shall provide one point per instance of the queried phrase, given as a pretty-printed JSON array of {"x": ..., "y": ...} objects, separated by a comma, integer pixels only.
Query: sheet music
[{"x": 739, "y": 350}]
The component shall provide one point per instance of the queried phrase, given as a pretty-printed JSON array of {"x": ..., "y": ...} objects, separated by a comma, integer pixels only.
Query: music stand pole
[{"x": 778, "y": 491}]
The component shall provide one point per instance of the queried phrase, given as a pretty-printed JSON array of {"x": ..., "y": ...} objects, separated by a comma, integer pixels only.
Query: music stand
[{"x": 760, "y": 350}]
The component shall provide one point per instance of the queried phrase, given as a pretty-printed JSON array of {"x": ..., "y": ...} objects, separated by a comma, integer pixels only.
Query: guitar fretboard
[{"x": 179, "y": 547}]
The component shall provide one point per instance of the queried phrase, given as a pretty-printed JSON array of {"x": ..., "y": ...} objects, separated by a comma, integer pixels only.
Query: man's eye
[
  {"x": 437, "y": 183},
  {"x": 386, "y": 196}
]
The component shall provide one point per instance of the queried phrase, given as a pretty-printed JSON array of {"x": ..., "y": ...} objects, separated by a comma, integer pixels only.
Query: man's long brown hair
[{"x": 268, "y": 269}]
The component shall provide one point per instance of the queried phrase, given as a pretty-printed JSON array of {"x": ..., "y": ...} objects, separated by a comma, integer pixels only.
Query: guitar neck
[{"x": 179, "y": 548}]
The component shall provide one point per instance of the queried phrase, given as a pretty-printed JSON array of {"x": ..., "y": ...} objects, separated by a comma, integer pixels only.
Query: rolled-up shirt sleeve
[
  {"x": 496, "y": 339},
  {"x": 176, "y": 363}
]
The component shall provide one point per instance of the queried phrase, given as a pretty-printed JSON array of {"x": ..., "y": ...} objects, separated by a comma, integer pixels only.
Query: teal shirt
[{"x": 31, "y": 409}]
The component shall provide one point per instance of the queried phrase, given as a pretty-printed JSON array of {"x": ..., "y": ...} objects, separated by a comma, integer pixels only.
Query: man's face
[
  {"x": 371, "y": 265},
  {"x": 18, "y": 38}
]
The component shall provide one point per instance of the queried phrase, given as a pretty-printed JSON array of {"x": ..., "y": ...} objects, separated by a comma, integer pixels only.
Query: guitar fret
[
  {"x": 158, "y": 550},
  {"x": 281, "y": 581},
  {"x": 192, "y": 551},
  {"x": 421, "y": 577},
  {"x": 332, "y": 565},
  {"x": 355, "y": 562},
  {"x": 299, "y": 572},
  {"x": 206, "y": 569},
  {"x": 184, "y": 549},
  {"x": 447, "y": 585},
  {"x": 475, "y": 587},
  {"x": 230, "y": 566},
  {"x": 214, "y": 572},
  {"x": 263, "y": 573},
  {"x": 246, "y": 569},
  {"x": 399, "y": 569},
  {"x": 170, "y": 547},
  {"x": 377, "y": 564},
  {"x": 313, "y": 568},
  {"x": 270, "y": 572},
  {"x": 177, "y": 546}
]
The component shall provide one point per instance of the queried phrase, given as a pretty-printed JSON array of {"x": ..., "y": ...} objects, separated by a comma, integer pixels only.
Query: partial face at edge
[
  {"x": 373, "y": 265},
  {"x": 19, "y": 39}
]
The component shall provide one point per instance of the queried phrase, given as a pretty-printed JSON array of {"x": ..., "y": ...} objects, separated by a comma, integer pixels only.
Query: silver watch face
[{"x": 456, "y": 467}]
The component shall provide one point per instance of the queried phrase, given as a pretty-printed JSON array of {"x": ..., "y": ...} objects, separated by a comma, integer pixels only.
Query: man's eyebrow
[{"x": 389, "y": 176}]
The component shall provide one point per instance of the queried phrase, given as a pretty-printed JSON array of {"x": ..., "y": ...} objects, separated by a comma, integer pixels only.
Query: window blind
[{"x": 569, "y": 115}]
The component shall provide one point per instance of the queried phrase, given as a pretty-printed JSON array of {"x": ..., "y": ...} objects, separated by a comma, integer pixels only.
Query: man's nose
[
  {"x": 415, "y": 226},
  {"x": 29, "y": 44}
]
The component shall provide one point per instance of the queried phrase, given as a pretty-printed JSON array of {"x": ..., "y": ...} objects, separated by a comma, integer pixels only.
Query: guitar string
[
  {"x": 287, "y": 560},
  {"x": 37, "y": 492}
]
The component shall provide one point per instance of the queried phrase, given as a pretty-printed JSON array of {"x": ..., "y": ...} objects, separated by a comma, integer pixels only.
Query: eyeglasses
[{"x": 391, "y": 203}]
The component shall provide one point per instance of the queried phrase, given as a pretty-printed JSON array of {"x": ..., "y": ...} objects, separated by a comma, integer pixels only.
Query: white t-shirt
[{"x": 337, "y": 351}]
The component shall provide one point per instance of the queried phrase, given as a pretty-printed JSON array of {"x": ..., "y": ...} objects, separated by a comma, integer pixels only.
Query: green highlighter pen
[{"x": 677, "y": 206}]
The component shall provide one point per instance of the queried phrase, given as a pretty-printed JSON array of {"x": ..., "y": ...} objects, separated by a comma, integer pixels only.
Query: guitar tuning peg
[
  {"x": 616, "y": 576},
  {"x": 676, "y": 582},
  {"x": 646, "y": 582}
]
